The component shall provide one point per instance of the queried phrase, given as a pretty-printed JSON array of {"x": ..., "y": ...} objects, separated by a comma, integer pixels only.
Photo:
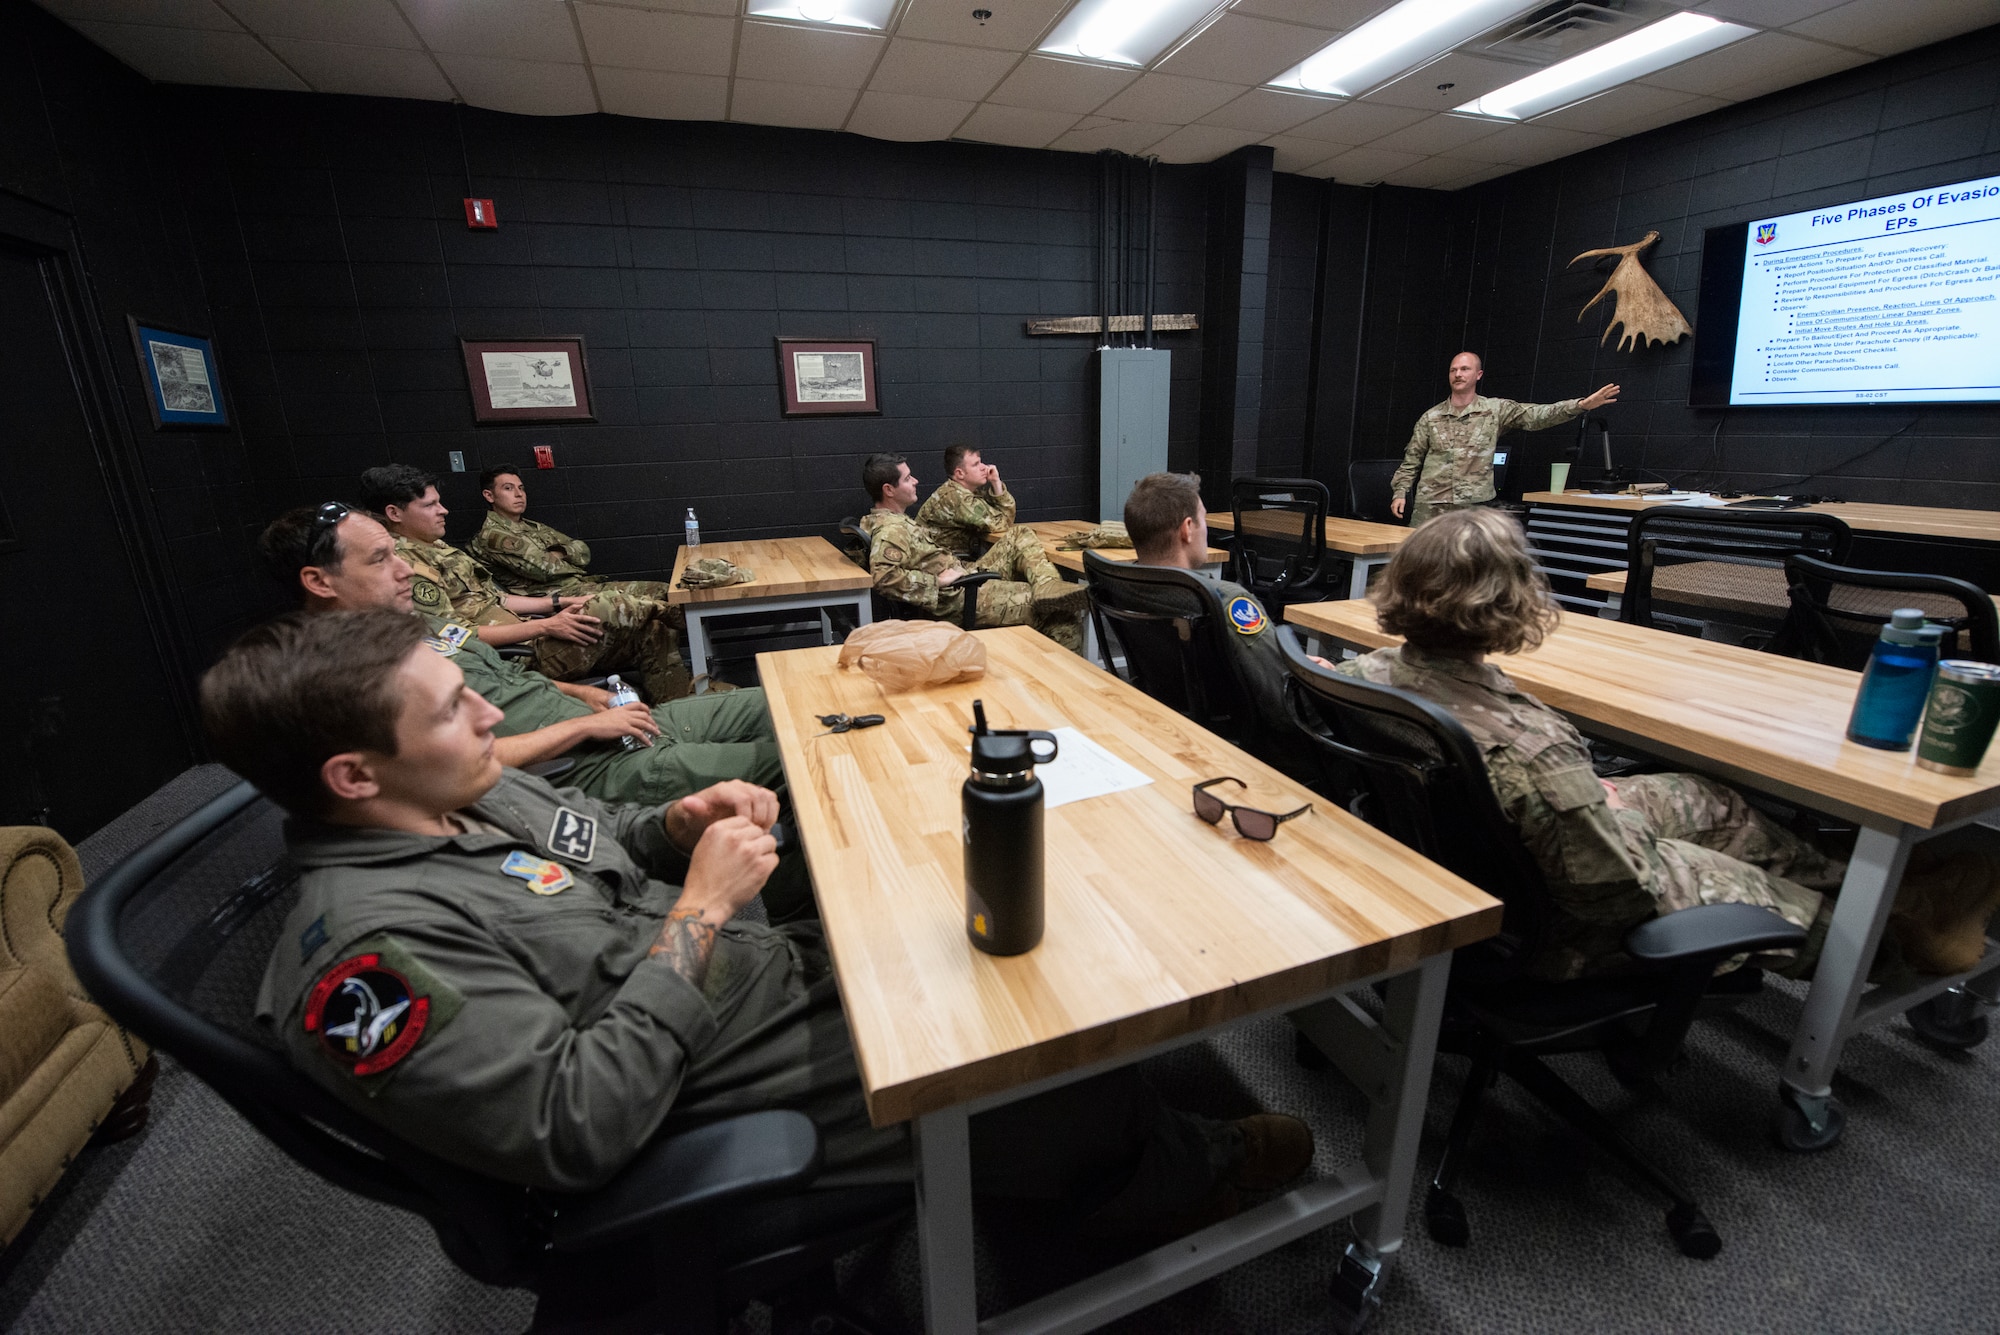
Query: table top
[
  {"x": 1687, "y": 582},
  {"x": 1778, "y": 724},
  {"x": 1929, "y": 521},
  {"x": 1053, "y": 531},
  {"x": 785, "y": 568},
  {"x": 1350, "y": 537},
  {"x": 1158, "y": 924}
]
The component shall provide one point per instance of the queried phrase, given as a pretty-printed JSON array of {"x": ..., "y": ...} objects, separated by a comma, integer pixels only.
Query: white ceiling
[{"x": 936, "y": 73}]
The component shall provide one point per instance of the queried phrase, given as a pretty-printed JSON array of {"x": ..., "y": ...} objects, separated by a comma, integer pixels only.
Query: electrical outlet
[{"x": 458, "y": 461}]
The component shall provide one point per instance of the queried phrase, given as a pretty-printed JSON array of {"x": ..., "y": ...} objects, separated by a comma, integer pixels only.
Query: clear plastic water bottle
[
  {"x": 1896, "y": 683},
  {"x": 622, "y": 695},
  {"x": 693, "y": 527}
]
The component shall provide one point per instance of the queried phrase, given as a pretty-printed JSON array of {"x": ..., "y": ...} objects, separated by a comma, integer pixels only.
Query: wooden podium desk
[
  {"x": 1768, "y": 723},
  {"x": 1368, "y": 544},
  {"x": 793, "y": 574},
  {"x": 1161, "y": 929}
]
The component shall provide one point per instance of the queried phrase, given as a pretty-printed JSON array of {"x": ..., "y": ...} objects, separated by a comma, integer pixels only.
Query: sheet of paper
[
  {"x": 1083, "y": 769},
  {"x": 1697, "y": 498}
]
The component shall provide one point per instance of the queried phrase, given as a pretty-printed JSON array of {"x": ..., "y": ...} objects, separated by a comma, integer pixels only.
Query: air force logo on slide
[
  {"x": 1246, "y": 616},
  {"x": 1766, "y": 233}
]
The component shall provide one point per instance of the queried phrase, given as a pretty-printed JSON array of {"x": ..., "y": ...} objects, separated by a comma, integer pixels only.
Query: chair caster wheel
[
  {"x": 1307, "y": 1054},
  {"x": 1950, "y": 1022},
  {"x": 1808, "y": 1124},
  {"x": 1692, "y": 1232},
  {"x": 1446, "y": 1219}
]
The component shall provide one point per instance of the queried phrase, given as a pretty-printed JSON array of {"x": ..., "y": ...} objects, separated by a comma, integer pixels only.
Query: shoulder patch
[
  {"x": 367, "y": 1015},
  {"x": 541, "y": 875},
  {"x": 426, "y": 594},
  {"x": 572, "y": 835},
  {"x": 312, "y": 938},
  {"x": 450, "y": 638},
  {"x": 1245, "y": 615}
]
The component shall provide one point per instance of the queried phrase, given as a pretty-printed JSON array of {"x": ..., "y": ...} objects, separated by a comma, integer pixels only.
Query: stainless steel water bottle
[{"x": 1002, "y": 802}]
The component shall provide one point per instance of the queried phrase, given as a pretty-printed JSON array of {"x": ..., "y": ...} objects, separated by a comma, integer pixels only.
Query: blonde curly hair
[{"x": 1464, "y": 584}]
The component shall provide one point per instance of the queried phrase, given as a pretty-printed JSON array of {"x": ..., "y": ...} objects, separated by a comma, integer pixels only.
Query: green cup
[
  {"x": 1559, "y": 477},
  {"x": 1960, "y": 716}
]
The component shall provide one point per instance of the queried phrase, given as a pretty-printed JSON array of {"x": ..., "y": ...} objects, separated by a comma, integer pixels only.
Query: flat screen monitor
[{"x": 1889, "y": 300}]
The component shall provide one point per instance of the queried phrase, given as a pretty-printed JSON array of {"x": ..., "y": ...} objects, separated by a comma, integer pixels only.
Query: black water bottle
[{"x": 1003, "y": 837}]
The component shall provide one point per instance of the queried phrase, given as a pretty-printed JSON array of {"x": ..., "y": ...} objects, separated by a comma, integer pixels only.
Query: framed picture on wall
[
  {"x": 528, "y": 380},
  {"x": 183, "y": 387},
  {"x": 822, "y": 377}
]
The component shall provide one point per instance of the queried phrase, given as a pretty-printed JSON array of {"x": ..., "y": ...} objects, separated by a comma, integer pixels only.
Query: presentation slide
[{"x": 1890, "y": 300}]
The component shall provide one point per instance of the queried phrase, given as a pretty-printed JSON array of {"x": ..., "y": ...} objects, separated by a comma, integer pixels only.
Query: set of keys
[{"x": 843, "y": 723}]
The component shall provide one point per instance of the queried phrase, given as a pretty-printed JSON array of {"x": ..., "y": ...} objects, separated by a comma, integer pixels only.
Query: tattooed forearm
[{"x": 686, "y": 941}]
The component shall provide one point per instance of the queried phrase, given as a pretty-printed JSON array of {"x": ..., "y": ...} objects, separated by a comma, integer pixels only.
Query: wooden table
[
  {"x": 1769, "y": 723},
  {"x": 1691, "y": 584},
  {"x": 1161, "y": 929},
  {"x": 793, "y": 574},
  {"x": 1368, "y": 544},
  {"x": 1925, "y": 521},
  {"x": 1053, "y": 531}
]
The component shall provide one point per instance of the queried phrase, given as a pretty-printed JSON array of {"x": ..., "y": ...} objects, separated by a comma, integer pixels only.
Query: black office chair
[
  {"x": 884, "y": 608},
  {"x": 1368, "y": 494},
  {"x": 173, "y": 944},
  {"x": 1720, "y": 574},
  {"x": 1279, "y": 545},
  {"x": 1424, "y": 782},
  {"x": 1837, "y": 612},
  {"x": 1167, "y": 624}
]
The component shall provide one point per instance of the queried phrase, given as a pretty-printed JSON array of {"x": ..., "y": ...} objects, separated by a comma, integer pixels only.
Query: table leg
[
  {"x": 1612, "y": 603},
  {"x": 1357, "y": 580},
  {"x": 697, "y": 642},
  {"x": 825, "y": 627},
  {"x": 944, "y": 1222}
]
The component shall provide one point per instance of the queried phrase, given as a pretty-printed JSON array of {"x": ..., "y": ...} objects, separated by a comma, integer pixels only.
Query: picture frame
[
  {"x": 528, "y": 380},
  {"x": 182, "y": 381},
  {"x": 820, "y": 377}
]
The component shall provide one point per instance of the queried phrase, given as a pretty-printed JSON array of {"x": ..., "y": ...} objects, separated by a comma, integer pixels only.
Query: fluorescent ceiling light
[
  {"x": 1395, "y": 42},
  {"x": 1124, "y": 32},
  {"x": 1634, "y": 56},
  {"x": 827, "y": 13}
]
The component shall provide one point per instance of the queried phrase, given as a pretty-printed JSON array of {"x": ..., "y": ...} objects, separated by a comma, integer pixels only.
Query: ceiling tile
[
  {"x": 181, "y": 55},
  {"x": 1526, "y": 145},
  {"x": 1296, "y": 155},
  {"x": 643, "y": 40},
  {"x": 803, "y": 105},
  {"x": 731, "y": 8},
  {"x": 932, "y": 69},
  {"x": 1766, "y": 13},
  {"x": 1482, "y": 171},
  {"x": 1061, "y": 85},
  {"x": 1715, "y": 73},
  {"x": 786, "y": 53},
  {"x": 203, "y": 14},
  {"x": 1202, "y": 143},
  {"x": 1430, "y": 174},
  {"x": 527, "y": 87},
  {"x": 1023, "y": 127},
  {"x": 1266, "y": 109},
  {"x": 529, "y": 30},
  {"x": 667, "y": 97},
  {"x": 1169, "y": 99},
  {"x": 1238, "y": 49},
  {"x": 354, "y": 22},
  {"x": 882, "y": 115},
  {"x": 1015, "y": 26},
  {"x": 1357, "y": 123},
  {"x": 1332, "y": 15},
  {"x": 1884, "y": 27},
  {"x": 1469, "y": 77},
  {"x": 1770, "y": 78},
  {"x": 370, "y": 71},
  {"x": 1125, "y": 136},
  {"x": 1436, "y": 134},
  {"x": 1622, "y": 110},
  {"x": 1365, "y": 166}
]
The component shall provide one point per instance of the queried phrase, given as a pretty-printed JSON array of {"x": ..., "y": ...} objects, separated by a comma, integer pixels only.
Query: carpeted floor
[{"x": 200, "y": 1225}]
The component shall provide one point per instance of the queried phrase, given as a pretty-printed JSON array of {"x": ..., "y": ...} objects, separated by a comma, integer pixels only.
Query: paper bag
[{"x": 900, "y": 655}]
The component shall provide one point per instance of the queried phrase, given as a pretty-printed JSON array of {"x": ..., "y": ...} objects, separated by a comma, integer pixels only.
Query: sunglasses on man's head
[
  {"x": 329, "y": 516},
  {"x": 1249, "y": 821}
]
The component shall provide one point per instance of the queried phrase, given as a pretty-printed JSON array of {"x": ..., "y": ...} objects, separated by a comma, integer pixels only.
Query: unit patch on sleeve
[
  {"x": 542, "y": 876},
  {"x": 366, "y": 1014},
  {"x": 571, "y": 835},
  {"x": 450, "y": 638},
  {"x": 1245, "y": 615}
]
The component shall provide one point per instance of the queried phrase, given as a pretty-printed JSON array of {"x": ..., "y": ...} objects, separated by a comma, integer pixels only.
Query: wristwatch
[{"x": 555, "y": 604}]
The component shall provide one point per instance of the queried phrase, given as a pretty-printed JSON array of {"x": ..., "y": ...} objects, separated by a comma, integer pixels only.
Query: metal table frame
[{"x": 697, "y": 613}]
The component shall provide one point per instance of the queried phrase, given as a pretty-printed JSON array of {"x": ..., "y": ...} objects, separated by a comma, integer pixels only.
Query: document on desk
[{"x": 1083, "y": 769}]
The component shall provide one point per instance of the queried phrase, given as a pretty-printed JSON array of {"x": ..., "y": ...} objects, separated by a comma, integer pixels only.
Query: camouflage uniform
[
  {"x": 637, "y": 635},
  {"x": 533, "y": 559},
  {"x": 907, "y": 558},
  {"x": 1683, "y": 840},
  {"x": 964, "y": 520},
  {"x": 1455, "y": 446}
]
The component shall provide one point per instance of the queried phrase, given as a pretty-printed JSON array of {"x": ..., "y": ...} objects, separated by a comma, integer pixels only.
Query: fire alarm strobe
[
  {"x": 479, "y": 215},
  {"x": 545, "y": 456}
]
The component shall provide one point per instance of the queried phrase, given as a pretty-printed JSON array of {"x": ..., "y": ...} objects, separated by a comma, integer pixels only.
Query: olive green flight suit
[
  {"x": 966, "y": 520},
  {"x": 1455, "y": 448},
  {"x": 1248, "y": 637},
  {"x": 906, "y": 558}
]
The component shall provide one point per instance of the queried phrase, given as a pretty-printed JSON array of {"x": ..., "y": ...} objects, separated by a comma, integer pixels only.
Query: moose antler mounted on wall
[{"x": 1647, "y": 314}]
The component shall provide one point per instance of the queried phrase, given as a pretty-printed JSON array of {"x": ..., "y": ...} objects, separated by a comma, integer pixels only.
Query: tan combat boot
[{"x": 1942, "y": 908}]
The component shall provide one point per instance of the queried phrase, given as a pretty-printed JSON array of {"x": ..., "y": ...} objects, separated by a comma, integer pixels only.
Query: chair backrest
[
  {"x": 1280, "y": 538},
  {"x": 1166, "y": 624},
  {"x": 173, "y": 943},
  {"x": 1368, "y": 495},
  {"x": 1423, "y": 781},
  {"x": 1837, "y": 612},
  {"x": 856, "y": 544},
  {"x": 1720, "y": 573}
]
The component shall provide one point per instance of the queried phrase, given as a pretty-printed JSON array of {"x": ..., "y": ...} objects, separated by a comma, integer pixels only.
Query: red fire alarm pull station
[
  {"x": 545, "y": 456},
  {"x": 479, "y": 215}
]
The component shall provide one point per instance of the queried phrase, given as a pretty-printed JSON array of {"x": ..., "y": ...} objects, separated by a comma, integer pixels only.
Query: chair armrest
[
  {"x": 520, "y": 653},
  {"x": 675, "y": 1177},
  {"x": 968, "y": 617},
  {"x": 550, "y": 769},
  {"x": 1710, "y": 933}
]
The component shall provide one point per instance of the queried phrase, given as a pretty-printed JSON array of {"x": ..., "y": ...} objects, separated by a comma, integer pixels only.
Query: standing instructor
[{"x": 1453, "y": 442}]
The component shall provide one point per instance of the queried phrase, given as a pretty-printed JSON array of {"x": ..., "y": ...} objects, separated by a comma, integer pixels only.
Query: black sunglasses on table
[{"x": 1249, "y": 821}]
